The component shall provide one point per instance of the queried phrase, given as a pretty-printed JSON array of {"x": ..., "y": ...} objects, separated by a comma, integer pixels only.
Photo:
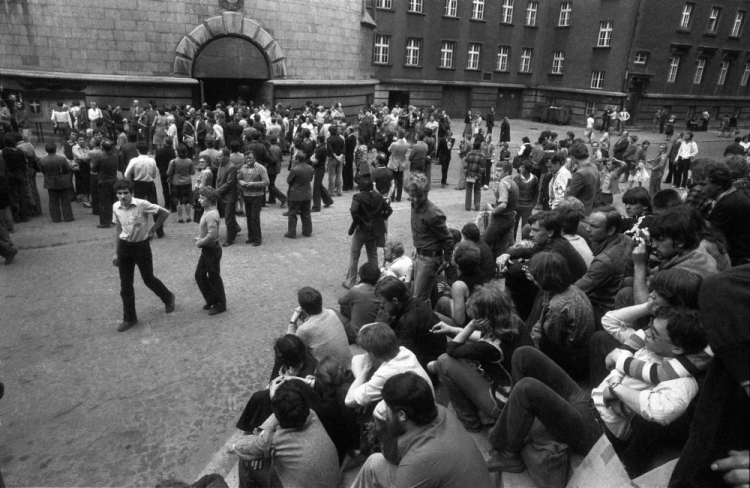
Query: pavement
[{"x": 88, "y": 406}]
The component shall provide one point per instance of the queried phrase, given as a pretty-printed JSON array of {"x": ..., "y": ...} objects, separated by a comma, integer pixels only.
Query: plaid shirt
[{"x": 696, "y": 199}]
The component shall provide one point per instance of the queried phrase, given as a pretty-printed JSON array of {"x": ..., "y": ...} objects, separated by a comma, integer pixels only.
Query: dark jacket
[
  {"x": 412, "y": 325},
  {"x": 57, "y": 172},
  {"x": 369, "y": 212},
  {"x": 584, "y": 185},
  {"x": 299, "y": 179},
  {"x": 260, "y": 151},
  {"x": 335, "y": 146},
  {"x": 558, "y": 244},
  {"x": 730, "y": 216},
  {"x": 226, "y": 182},
  {"x": 602, "y": 280}
]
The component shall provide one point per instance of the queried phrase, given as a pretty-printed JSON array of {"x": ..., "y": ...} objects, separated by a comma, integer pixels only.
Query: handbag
[
  {"x": 194, "y": 199},
  {"x": 189, "y": 141}
]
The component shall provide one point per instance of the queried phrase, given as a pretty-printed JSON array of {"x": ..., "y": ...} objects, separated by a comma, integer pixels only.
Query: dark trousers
[
  {"x": 541, "y": 389},
  {"x": 348, "y": 172},
  {"x": 273, "y": 192},
  {"x": 94, "y": 185},
  {"x": 165, "y": 191},
  {"x": 303, "y": 208},
  {"x": 499, "y": 233},
  {"x": 19, "y": 202},
  {"x": 208, "y": 277},
  {"x": 444, "y": 171},
  {"x": 681, "y": 175},
  {"x": 107, "y": 198},
  {"x": 253, "y": 206},
  {"x": 59, "y": 200},
  {"x": 600, "y": 345},
  {"x": 398, "y": 180},
  {"x": 672, "y": 170},
  {"x": 147, "y": 190},
  {"x": 230, "y": 220},
  {"x": 319, "y": 191},
  {"x": 130, "y": 255},
  {"x": 83, "y": 180},
  {"x": 523, "y": 214}
]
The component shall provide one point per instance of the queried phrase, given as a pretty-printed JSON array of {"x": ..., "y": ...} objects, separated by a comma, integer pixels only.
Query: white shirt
[
  {"x": 134, "y": 219},
  {"x": 94, "y": 113},
  {"x": 401, "y": 268},
  {"x": 142, "y": 168},
  {"x": 590, "y": 123},
  {"x": 687, "y": 150},
  {"x": 558, "y": 186}
]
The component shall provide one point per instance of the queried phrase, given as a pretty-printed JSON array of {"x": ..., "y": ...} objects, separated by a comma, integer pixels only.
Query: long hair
[{"x": 492, "y": 303}]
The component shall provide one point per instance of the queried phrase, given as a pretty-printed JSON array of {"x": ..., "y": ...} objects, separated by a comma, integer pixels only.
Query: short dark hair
[
  {"x": 684, "y": 328},
  {"x": 50, "y": 147},
  {"x": 569, "y": 218},
  {"x": 411, "y": 394},
  {"x": 527, "y": 164},
  {"x": 505, "y": 166},
  {"x": 235, "y": 145},
  {"x": 471, "y": 232},
  {"x": 614, "y": 219},
  {"x": 369, "y": 273},
  {"x": 182, "y": 151},
  {"x": 123, "y": 185},
  {"x": 681, "y": 223},
  {"x": 738, "y": 166},
  {"x": 290, "y": 350},
  {"x": 142, "y": 147},
  {"x": 558, "y": 159},
  {"x": 549, "y": 219},
  {"x": 719, "y": 174},
  {"x": 391, "y": 287},
  {"x": 578, "y": 151},
  {"x": 456, "y": 234},
  {"x": 290, "y": 406},
  {"x": 310, "y": 300},
  {"x": 467, "y": 258},
  {"x": 678, "y": 286},
  {"x": 210, "y": 193},
  {"x": 666, "y": 198},
  {"x": 552, "y": 272},
  {"x": 638, "y": 195},
  {"x": 365, "y": 184},
  {"x": 379, "y": 340},
  {"x": 132, "y": 136}
]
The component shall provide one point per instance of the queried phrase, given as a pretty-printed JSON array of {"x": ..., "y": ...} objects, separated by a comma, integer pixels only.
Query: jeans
[
  {"x": 107, "y": 199},
  {"x": 83, "y": 179},
  {"x": 335, "y": 172},
  {"x": 304, "y": 209},
  {"x": 468, "y": 390},
  {"x": 461, "y": 179},
  {"x": 147, "y": 190},
  {"x": 541, "y": 389},
  {"x": 253, "y": 206},
  {"x": 348, "y": 172},
  {"x": 444, "y": 172},
  {"x": 425, "y": 272},
  {"x": 522, "y": 216},
  {"x": 474, "y": 187},
  {"x": 398, "y": 185},
  {"x": 273, "y": 192},
  {"x": 59, "y": 200},
  {"x": 165, "y": 191},
  {"x": 358, "y": 240},
  {"x": 130, "y": 255},
  {"x": 208, "y": 277},
  {"x": 428, "y": 173},
  {"x": 600, "y": 344},
  {"x": 19, "y": 202},
  {"x": 230, "y": 219},
  {"x": 320, "y": 191}
]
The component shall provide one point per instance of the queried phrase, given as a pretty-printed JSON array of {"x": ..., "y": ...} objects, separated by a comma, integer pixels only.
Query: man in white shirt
[
  {"x": 400, "y": 266},
  {"x": 688, "y": 151},
  {"x": 561, "y": 177},
  {"x": 143, "y": 172},
  {"x": 95, "y": 114}
]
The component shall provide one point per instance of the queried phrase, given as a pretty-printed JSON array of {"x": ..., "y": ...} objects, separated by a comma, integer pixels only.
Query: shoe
[
  {"x": 312, "y": 210},
  {"x": 505, "y": 461},
  {"x": 10, "y": 258},
  {"x": 208, "y": 306},
  {"x": 180, "y": 221},
  {"x": 248, "y": 241},
  {"x": 286, "y": 214},
  {"x": 256, "y": 244},
  {"x": 290, "y": 236},
  {"x": 338, "y": 194},
  {"x": 328, "y": 205},
  {"x": 188, "y": 220},
  {"x": 169, "y": 307},
  {"x": 306, "y": 235},
  {"x": 87, "y": 204},
  {"x": 443, "y": 185},
  {"x": 283, "y": 205},
  {"x": 228, "y": 243},
  {"x": 126, "y": 325},
  {"x": 102, "y": 226},
  {"x": 215, "y": 311}
]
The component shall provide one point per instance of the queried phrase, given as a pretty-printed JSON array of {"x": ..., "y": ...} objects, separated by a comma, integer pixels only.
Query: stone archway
[{"x": 229, "y": 24}]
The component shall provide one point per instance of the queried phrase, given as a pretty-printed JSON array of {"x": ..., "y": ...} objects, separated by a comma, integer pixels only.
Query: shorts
[{"x": 181, "y": 194}]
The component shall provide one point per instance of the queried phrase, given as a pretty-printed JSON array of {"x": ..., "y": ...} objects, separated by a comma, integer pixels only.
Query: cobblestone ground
[{"x": 87, "y": 406}]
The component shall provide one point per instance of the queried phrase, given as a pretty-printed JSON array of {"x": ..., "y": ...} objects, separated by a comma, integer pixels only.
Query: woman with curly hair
[{"x": 476, "y": 367}]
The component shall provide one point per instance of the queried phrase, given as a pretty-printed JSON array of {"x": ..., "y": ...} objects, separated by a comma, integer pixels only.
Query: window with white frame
[
  {"x": 605, "y": 34},
  {"x": 387, "y": 4},
  {"x": 699, "y": 68},
  {"x": 503, "y": 54},
  {"x": 506, "y": 16},
  {"x": 526, "y": 60},
  {"x": 477, "y": 9},
  {"x": 745, "y": 74},
  {"x": 451, "y": 8},
  {"x": 597, "y": 79},
  {"x": 687, "y": 12},
  {"x": 723, "y": 73},
  {"x": 674, "y": 65},
  {"x": 590, "y": 108},
  {"x": 473, "y": 61},
  {"x": 557, "y": 62},
  {"x": 713, "y": 20},
  {"x": 531, "y": 10},
  {"x": 446, "y": 54},
  {"x": 737, "y": 25},
  {"x": 565, "y": 9},
  {"x": 641, "y": 57},
  {"x": 415, "y": 6},
  {"x": 413, "y": 48},
  {"x": 382, "y": 51}
]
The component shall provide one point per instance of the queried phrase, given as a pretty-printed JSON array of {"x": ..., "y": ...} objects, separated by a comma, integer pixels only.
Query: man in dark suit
[
  {"x": 300, "y": 196},
  {"x": 730, "y": 211},
  {"x": 226, "y": 187},
  {"x": 350, "y": 145}
]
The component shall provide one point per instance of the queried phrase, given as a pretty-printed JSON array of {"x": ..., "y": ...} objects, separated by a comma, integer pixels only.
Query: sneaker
[
  {"x": 169, "y": 307},
  {"x": 126, "y": 325},
  {"x": 505, "y": 461}
]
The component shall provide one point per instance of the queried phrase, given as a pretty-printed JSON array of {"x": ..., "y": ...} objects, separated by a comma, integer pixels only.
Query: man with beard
[{"x": 431, "y": 446}]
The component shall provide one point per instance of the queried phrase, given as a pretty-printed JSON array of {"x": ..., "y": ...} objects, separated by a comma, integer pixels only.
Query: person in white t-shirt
[
  {"x": 395, "y": 263},
  {"x": 589, "y": 127}
]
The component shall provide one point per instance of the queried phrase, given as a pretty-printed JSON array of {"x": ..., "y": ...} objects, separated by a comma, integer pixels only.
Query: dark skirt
[{"x": 182, "y": 194}]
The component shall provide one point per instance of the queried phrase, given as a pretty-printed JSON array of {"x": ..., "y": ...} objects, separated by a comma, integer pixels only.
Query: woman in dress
[
  {"x": 160, "y": 124},
  {"x": 180, "y": 173}
]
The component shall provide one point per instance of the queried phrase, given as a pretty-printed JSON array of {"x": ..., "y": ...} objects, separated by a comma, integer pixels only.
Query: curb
[{"x": 222, "y": 462}]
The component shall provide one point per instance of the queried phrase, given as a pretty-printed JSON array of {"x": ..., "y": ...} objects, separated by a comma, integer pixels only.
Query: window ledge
[
  {"x": 508, "y": 24},
  {"x": 415, "y": 13},
  {"x": 562, "y": 27},
  {"x": 531, "y": 26},
  {"x": 556, "y": 74},
  {"x": 383, "y": 64},
  {"x": 447, "y": 68},
  {"x": 734, "y": 38},
  {"x": 603, "y": 47},
  {"x": 451, "y": 17},
  {"x": 682, "y": 30},
  {"x": 478, "y": 20},
  {"x": 411, "y": 66},
  {"x": 709, "y": 34},
  {"x": 501, "y": 71},
  {"x": 524, "y": 72},
  {"x": 385, "y": 9},
  {"x": 472, "y": 69}
]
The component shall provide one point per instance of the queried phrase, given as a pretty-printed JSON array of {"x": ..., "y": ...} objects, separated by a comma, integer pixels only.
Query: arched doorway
[{"x": 233, "y": 57}]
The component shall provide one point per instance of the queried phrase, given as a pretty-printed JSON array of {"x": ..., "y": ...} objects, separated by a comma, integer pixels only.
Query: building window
[
  {"x": 687, "y": 12},
  {"x": 386, "y": 4},
  {"x": 597, "y": 79},
  {"x": 591, "y": 108},
  {"x": 446, "y": 54},
  {"x": 745, "y": 74},
  {"x": 605, "y": 34},
  {"x": 382, "y": 50},
  {"x": 557, "y": 62},
  {"x": 415, "y": 6},
  {"x": 699, "y": 71},
  {"x": 506, "y": 16},
  {"x": 531, "y": 10},
  {"x": 723, "y": 73},
  {"x": 674, "y": 64},
  {"x": 713, "y": 20},
  {"x": 737, "y": 26},
  {"x": 477, "y": 9},
  {"x": 526, "y": 60},
  {"x": 503, "y": 54},
  {"x": 413, "y": 47},
  {"x": 565, "y": 9},
  {"x": 451, "y": 8},
  {"x": 473, "y": 61},
  {"x": 640, "y": 57}
]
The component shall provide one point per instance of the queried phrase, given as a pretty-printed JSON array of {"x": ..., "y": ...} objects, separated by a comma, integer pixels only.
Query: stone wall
[{"x": 319, "y": 39}]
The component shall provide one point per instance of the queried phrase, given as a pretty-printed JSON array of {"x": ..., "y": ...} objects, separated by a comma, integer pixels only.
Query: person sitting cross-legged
[{"x": 359, "y": 305}]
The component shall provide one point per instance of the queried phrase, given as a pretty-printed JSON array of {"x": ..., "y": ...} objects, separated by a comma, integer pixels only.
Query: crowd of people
[{"x": 591, "y": 323}]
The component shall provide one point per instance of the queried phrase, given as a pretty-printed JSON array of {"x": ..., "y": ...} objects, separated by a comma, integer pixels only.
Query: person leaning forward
[{"x": 132, "y": 248}]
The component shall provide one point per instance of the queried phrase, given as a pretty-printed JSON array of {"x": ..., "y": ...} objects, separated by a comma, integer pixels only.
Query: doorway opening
[
  {"x": 225, "y": 89},
  {"x": 398, "y": 97}
]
